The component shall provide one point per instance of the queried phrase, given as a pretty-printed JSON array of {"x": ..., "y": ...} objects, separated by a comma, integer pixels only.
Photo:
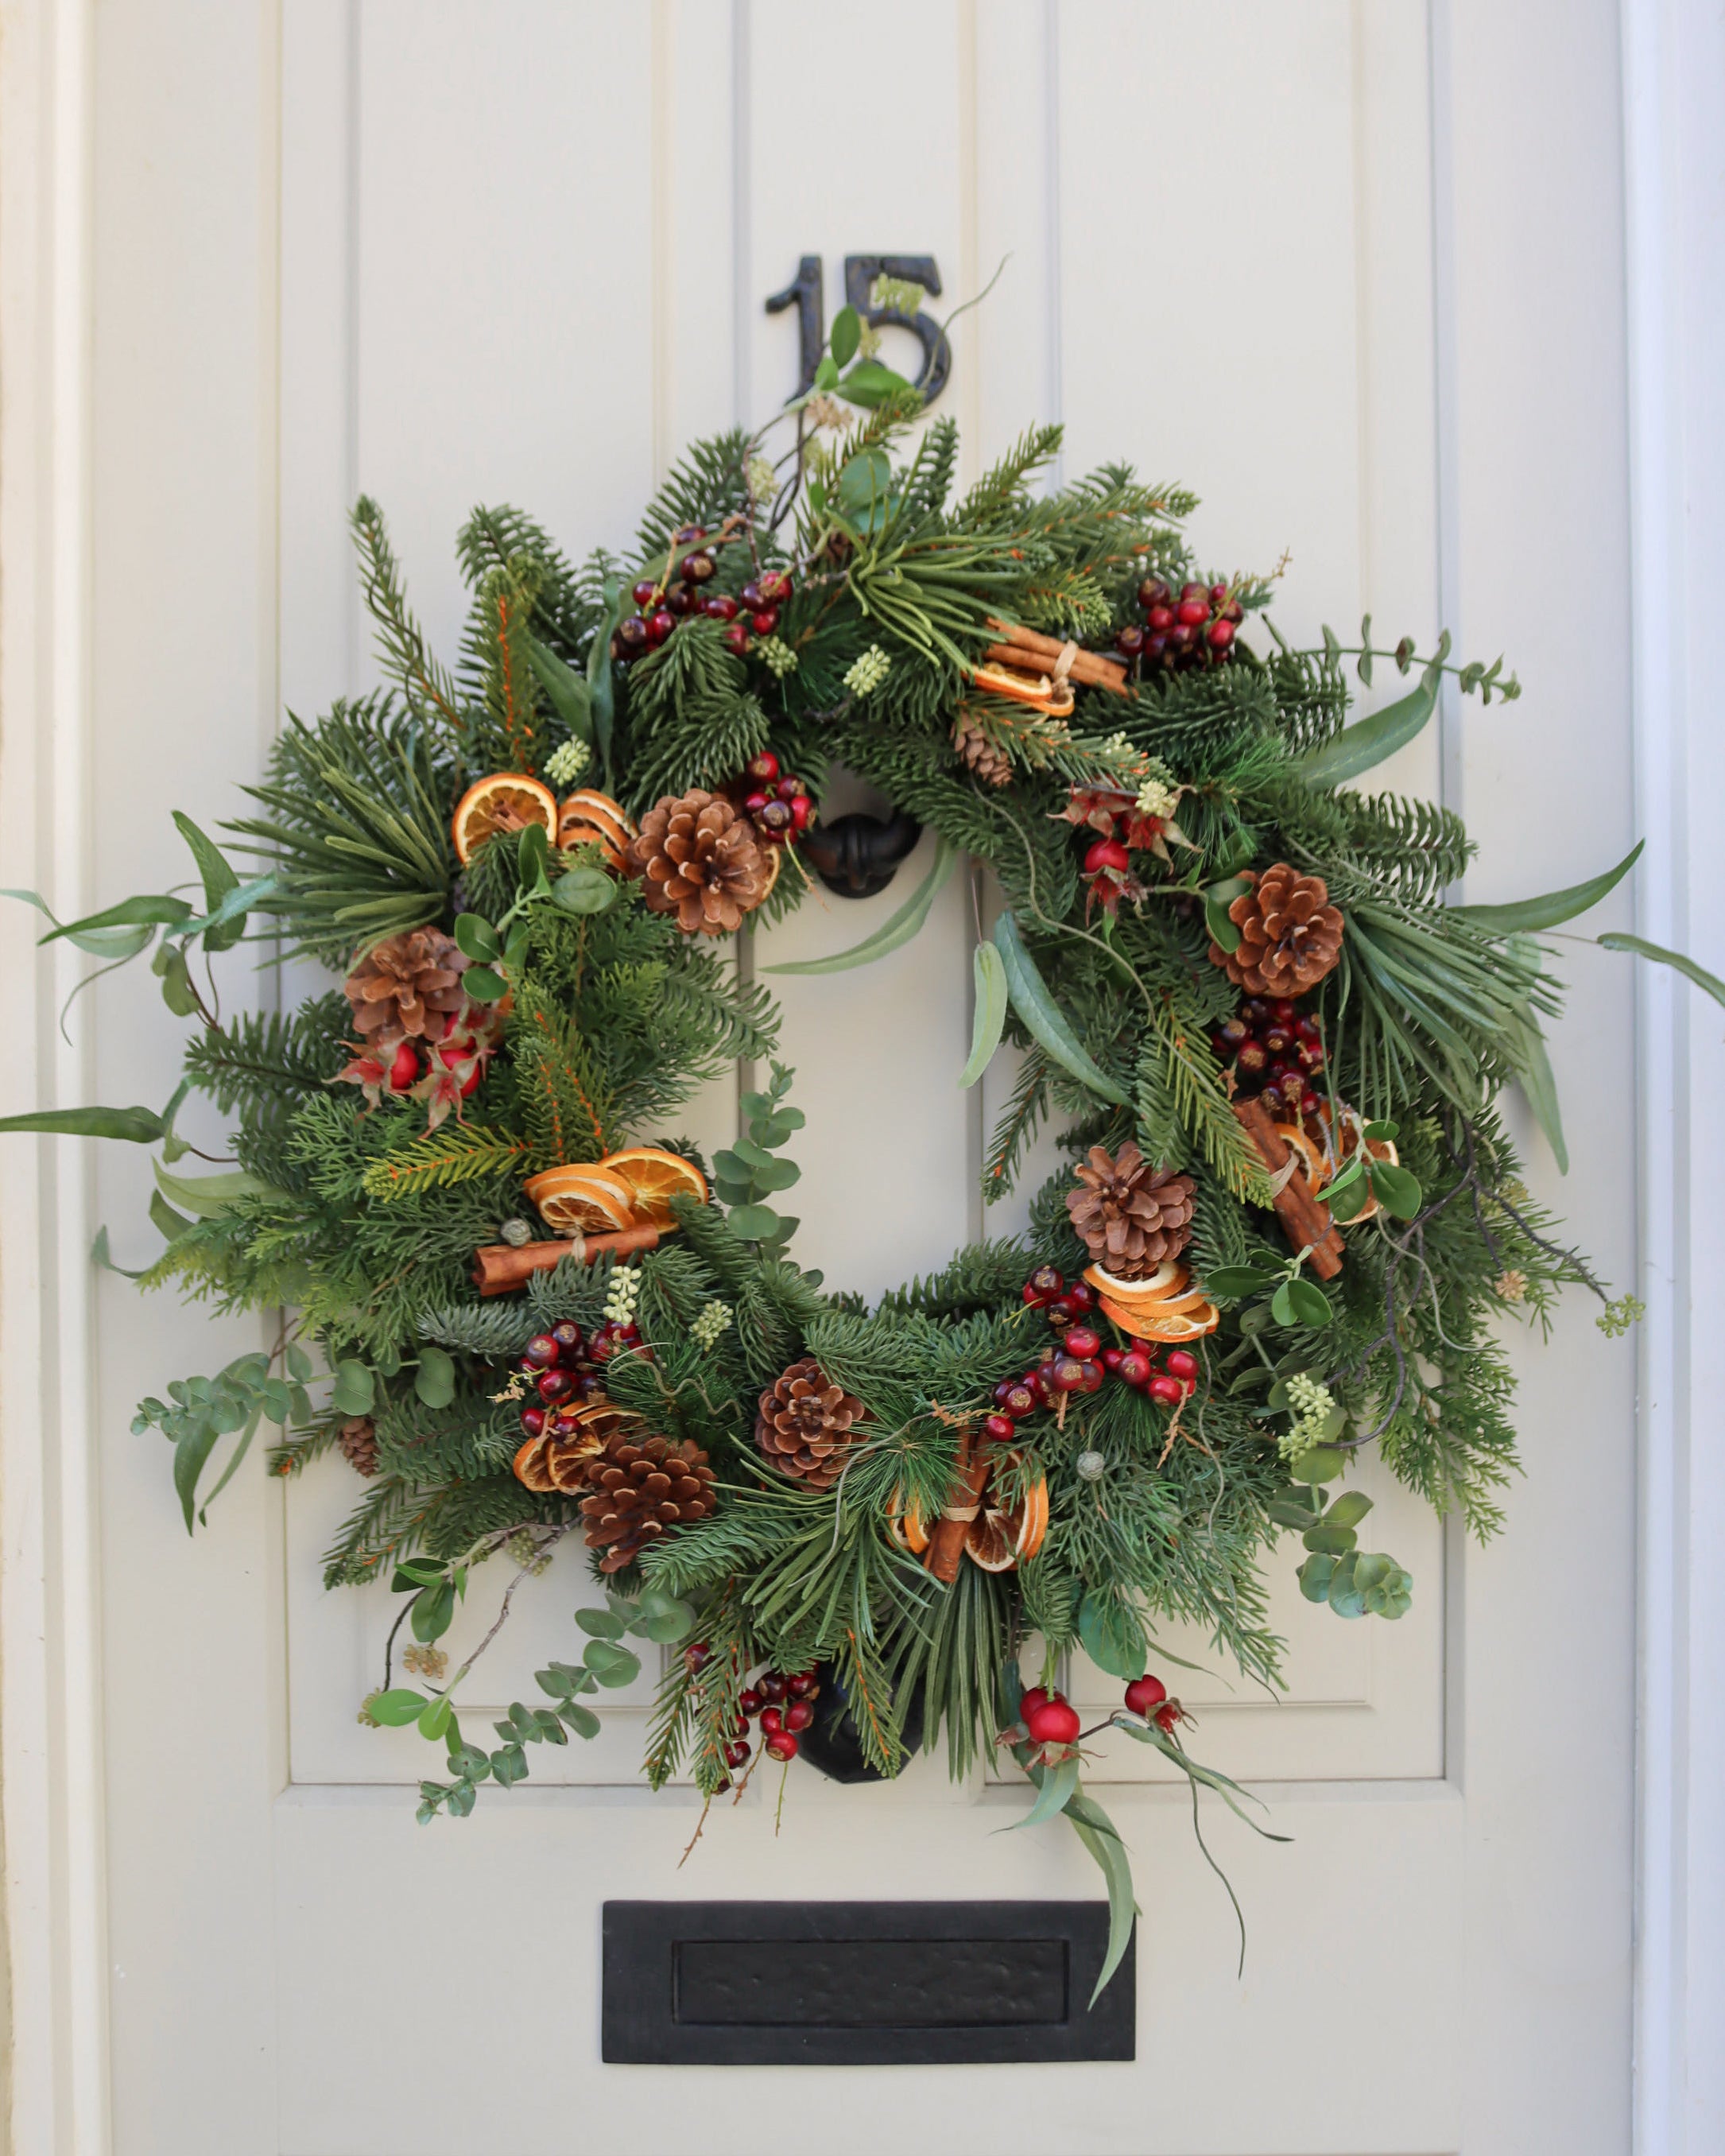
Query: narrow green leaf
[
  {"x": 990, "y": 1018},
  {"x": 139, "y": 1126},
  {"x": 117, "y": 944},
  {"x": 1358, "y": 749},
  {"x": 207, "y": 1195},
  {"x": 190, "y": 1453},
  {"x": 1617, "y": 941},
  {"x": 1100, "y": 1836},
  {"x": 570, "y": 696},
  {"x": 900, "y": 930},
  {"x": 1043, "y": 1017},
  {"x": 1056, "y": 1787},
  {"x": 1528, "y": 915},
  {"x": 129, "y": 913}
]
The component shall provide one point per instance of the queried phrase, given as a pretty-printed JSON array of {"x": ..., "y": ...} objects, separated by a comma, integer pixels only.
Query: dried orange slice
[
  {"x": 1168, "y": 1279},
  {"x": 1311, "y": 1158},
  {"x": 506, "y": 801},
  {"x": 1042, "y": 692},
  {"x": 585, "y": 1199},
  {"x": 655, "y": 1176},
  {"x": 906, "y": 1527},
  {"x": 990, "y": 1542},
  {"x": 1032, "y": 1516},
  {"x": 588, "y": 818},
  {"x": 1192, "y": 1326}
]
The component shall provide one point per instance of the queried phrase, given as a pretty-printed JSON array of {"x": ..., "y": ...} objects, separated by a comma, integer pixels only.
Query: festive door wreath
[{"x": 1292, "y": 1225}]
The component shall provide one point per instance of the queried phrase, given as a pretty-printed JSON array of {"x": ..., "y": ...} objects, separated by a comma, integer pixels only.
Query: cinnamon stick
[
  {"x": 1090, "y": 667},
  {"x": 964, "y": 1501},
  {"x": 498, "y": 1267},
  {"x": 1304, "y": 1221}
]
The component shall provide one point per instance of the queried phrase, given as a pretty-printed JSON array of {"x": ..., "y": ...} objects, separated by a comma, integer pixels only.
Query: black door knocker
[{"x": 857, "y": 856}]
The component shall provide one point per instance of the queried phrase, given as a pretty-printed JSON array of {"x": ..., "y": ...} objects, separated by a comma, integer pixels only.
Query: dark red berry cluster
[
  {"x": 777, "y": 804},
  {"x": 1080, "y": 1364},
  {"x": 565, "y": 1365},
  {"x": 1274, "y": 1048},
  {"x": 785, "y": 1705},
  {"x": 1196, "y": 628},
  {"x": 753, "y": 612}
]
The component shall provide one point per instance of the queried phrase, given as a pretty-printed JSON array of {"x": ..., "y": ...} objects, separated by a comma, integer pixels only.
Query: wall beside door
[{"x": 1356, "y": 276}]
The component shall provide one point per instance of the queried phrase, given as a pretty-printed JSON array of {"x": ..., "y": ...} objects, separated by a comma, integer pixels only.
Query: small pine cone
[
  {"x": 642, "y": 1487},
  {"x": 1132, "y": 1216},
  {"x": 992, "y": 765},
  {"x": 403, "y": 986},
  {"x": 805, "y": 1426},
  {"x": 358, "y": 1441},
  {"x": 698, "y": 857},
  {"x": 1290, "y": 934}
]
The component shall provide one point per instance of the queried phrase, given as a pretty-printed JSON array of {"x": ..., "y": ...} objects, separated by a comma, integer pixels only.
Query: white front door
[{"x": 453, "y": 251}]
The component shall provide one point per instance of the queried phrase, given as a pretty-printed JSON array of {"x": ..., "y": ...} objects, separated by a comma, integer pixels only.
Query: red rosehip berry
[
  {"x": 1192, "y": 591},
  {"x": 1067, "y": 1375},
  {"x": 1061, "y": 1312},
  {"x": 686, "y": 535},
  {"x": 1161, "y": 620},
  {"x": 533, "y": 1420},
  {"x": 772, "y": 1721},
  {"x": 740, "y": 1727},
  {"x": 1309, "y": 1104},
  {"x": 805, "y": 1684},
  {"x": 555, "y": 1385},
  {"x": 787, "y": 788},
  {"x": 1106, "y": 853},
  {"x": 737, "y": 1753},
  {"x": 999, "y": 1427},
  {"x": 1093, "y": 1374},
  {"x": 659, "y": 626},
  {"x": 737, "y": 639},
  {"x": 1167, "y": 1391},
  {"x": 798, "y": 1715},
  {"x": 1047, "y": 1282},
  {"x": 1193, "y": 613},
  {"x": 404, "y": 1071},
  {"x": 1081, "y": 1296},
  {"x": 1129, "y": 641},
  {"x": 1143, "y": 1693},
  {"x": 1180, "y": 1364},
  {"x": 1166, "y": 1717},
  {"x": 750, "y": 1701},
  {"x": 1276, "y": 1039},
  {"x": 763, "y": 768},
  {"x": 755, "y": 803},
  {"x": 540, "y": 1352},
  {"x": 782, "y": 1746},
  {"x": 1251, "y": 1057},
  {"x": 568, "y": 1336},
  {"x": 802, "y": 809},
  {"x": 1283, "y": 1011},
  {"x": 682, "y": 600},
  {"x": 1056, "y": 1721},
  {"x": 1135, "y": 1368},
  {"x": 1235, "y": 1030},
  {"x": 752, "y": 597},
  {"x": 696, "y": 1655},
  {"x": 1036, "y": 1696},
  {"x": 1020, "y": 1400},
  {"x": 1219, "y": 594},
  {"x": 631, "y": 640},
  {"x": 1112, "y": 1357},
  {"x": 1153, "y": 593}
]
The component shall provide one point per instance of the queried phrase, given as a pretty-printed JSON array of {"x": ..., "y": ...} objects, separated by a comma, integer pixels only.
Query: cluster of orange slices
[
  {"x": 1001, "y": 1535},
  {"x": 1166, "y": 1307},
  {"x": 629, "y": 1189},
  {"x": 511, "y": 800},
  {"x": 1313, "y": 1158}
]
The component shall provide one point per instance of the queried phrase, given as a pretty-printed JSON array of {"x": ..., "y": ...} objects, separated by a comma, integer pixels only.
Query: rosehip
[
  {"x": 763, "y": 768},
  {"x": 752, "y": 596},
  {"x": 682, "y": 599},
  {"x": 1283, "y": 1011},
  {"x": 1020, "y": 1400},
  {"x": 787, "y": 788},
  {"x": 567, "y": 1335},
  {"x": 404, "y": 1071},
  {"x": 1309, "y": 1104},
  {"x": 1193, "y": 613},
  {"x": 540, "y": 1352},
  {"x": 1218, "y": 593},
  {"x": 659, "y": 626},
  {"x": 1275, "y": 1039},
  {"x": 686, "y": 535},
  {"x": 1166, "y": 1717},
  {"x": 1153, "y": 593},
  {"x": 1135, "y": 1367},
  {"x": 1180, "y": 1364},
  {"x": 1251, "y": 1057},
  {"x": 775, "y": 586},
  {"x": 776, "y": 819},
  {"x": 1056, "y": 1721},
  {"x": 798, "y": 1715},
  {"x": 1129, "y": 641},
  {"x": 1106, "y": 853},
  {"x": 1036, "y": 1696},
  {"x": 802, "y": 809},
  {"x": 696, "y": 1655},
  {"x": 1192, "y": 591},
  {"x": 1161, "y": 620},
  {"x": 755, "y": 803},
  {"x": 772, "y": 1721},
  {"x": 782, "y": 1746},
  {"x": 1145, "y": 1692},
  {"x": 1167, "y": 1391},
  {"x": 698, "y": 568},
  {"x": 805, "y": 1685},
  {"x": 1046, "y": 1282},
  {"x": 533, "y": 1420},
  {"x": 631, "y": 640},
  {"x": 1083, "y": 1343},
  {"x": 1068, "y": 1374},
  {"x": 1094, "y": 1373},
  {"x": 1220, "y": 635},
  {"x": 740, "y": 1727},
  {"x": 750, "y": 1701},
  {"x": 999, "y": 1427},
  {"x": 1061, "y": 1312},
  {"x": 1235, "y": 1030},
  {"x": 1112, "y": 1357},
  {"x": 1081, "y": 1296}
]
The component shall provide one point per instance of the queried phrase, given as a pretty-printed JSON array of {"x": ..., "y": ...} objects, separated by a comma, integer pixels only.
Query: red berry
[
  {"x": 737, "y": 1753},
  {"x": 1166, "y": 1717},
  {"x": 644, "y": 593},
  {"x": 1068, "y": 1374},
  {"x": 1094, "y": 1373},
  {"x": 805, "y": 1685},
  {"x": 1309, "y": 1104},
  {"x": 682, "y": 599},
  {"x": 721, "y": 607},
  {"x": 1275, "y": 1039},
  {"x": 404, "y": 1071},
  {"x": 1143, "y": 1693},
  {"x": 766, "y": 620},
  {"x": 1161, "y": 620},
  {"x": 696, "y": 1655},
  {"x": 532, "y": 1421},
  {"x": 1046, "y": 1282},
  {"x": 788, "y": 788},
  {"x": 763, "y": 768},
  {"x": 752, "y": 597},
  {"x": 1218, "y": 593},
  {"x": 771, "y": 1686},
  {"x": 1135, "y": 1367},
  {"x": 1083, "y": 1343},
  {"x": 632, "y": 638},
  {"x": 540, "y": 1352},
  {"x": 1036, "y": 1696},
  {"x": 686, "y": 535},
  {"x": 1251, "y": 1057},
  {"x": 1081, "y": 1296},
  {"x": 737, "y": 639},
  {"x": 1020, "y": 1400},
  {"x": 1129, "y": 641},
  {"x": 782, "y": 1746},
  {"x": 798, "y": 1715},
  {"x": 999, "y": 1427},
  {"x": 775, "y": 586},
  {"x": 1112, "y": 1357},
  {"x": 555, "y": 1385},
  {"x": 1041, "y": 1380},
  {"x": 1056, "y": 1721},
  {"x": 1106, "y": 853},
  {"x": 1220, "y": 635},
  {"x": 567, "y": 1335},
  {"x": 1235, "y": 1030},
  {"x": 740, "y": 1727},
  {"x": 1192, "y": 591},
  {"x": 1193, "y": 613},
  {"x": 1283, "y": 1011},
  {"x": 802, "y": 809},
  {"x": 1166, "y": 1392},
  {"x": 1153, "y": 593},
  {"x": 659, "y": 626},
  {"x": 750, "y": 1701},
  {"x": 772, "y": 1721},
  {"x": 776, "y": 820},
  {"x": 1180, "y": 1364}
]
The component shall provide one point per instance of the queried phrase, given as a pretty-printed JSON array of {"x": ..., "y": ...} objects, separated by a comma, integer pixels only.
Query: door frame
[{"x": 52, "y": 1795}]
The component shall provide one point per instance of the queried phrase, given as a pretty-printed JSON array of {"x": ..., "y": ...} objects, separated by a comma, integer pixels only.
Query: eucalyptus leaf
[
  {"x": 396, "y": 1709},
  {"x": 138, "y": 1126},
  {"x": 1043, "y": 1017},
  {"x": 989, "y": 1019},
  {"x": 900, "y": 930},
  {"x": 1616, "y": 940},
  {"x": 1528, "y": 915},
  {"x": 435, "y": 1380},
  {"x": 355, "y": 1388},
  {"x": 1358, "y": 749},
  {"x": 1111, "y": 1635}
]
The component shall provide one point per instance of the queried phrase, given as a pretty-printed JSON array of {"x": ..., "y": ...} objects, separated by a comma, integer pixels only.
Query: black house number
[{"x": 807, "y": 294}]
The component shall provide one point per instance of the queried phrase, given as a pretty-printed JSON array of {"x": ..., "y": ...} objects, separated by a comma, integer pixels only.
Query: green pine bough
[{"x": 531, "y": 994}]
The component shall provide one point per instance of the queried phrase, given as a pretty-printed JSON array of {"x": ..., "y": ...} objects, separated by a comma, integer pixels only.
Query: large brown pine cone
[
  {"x": 358, "y": 1441},
  {"x": 992, "y": 765},
  {"x": 403, "y": 986},
  {"x": 1290, "y": 934},
  {"x": 642, "y": 1487},
  {"x": 698, "y": 858},
  {"x": 805, "y": 1425},
  {"x": 1133, "y": 1216}
]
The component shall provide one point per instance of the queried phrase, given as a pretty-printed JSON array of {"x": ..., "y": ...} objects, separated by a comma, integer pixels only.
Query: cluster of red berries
[
  {"x": 753, "y": 612},
  {"x": 458, "y": 1053},
  {"x": 777, "y": 804},
  {"x": 1080, "y": 1363},
  {"x": 565, "y": 1366},
  {"x": 784, "y": 1704},
  {"x": 1196, "y": 628},
  {"x": 1049, "y": 1717},
  {"x": 1274, "y": 1048}
]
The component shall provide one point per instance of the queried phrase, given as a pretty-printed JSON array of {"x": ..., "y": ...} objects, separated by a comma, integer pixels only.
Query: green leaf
[
  {"x": 755, "y": 1223},
  {"x": 1349, "y": 1509},
  {"x": 1235, "y": 1281},
  {"x": 827, "y": 373},
  {"x": 1043, "y": 1017},
  {"x": 436, "y": 1718},
  {"x": 208, "y": 1196},
  {"x": 869, "y": 384},
  {"x": 602, "y": 1624},
  {"x": 396, "y": 1709},
  {"x": 581, "y": 1719},
  {"x": 1217, "y": 900},
  {"x": 584, "y": 888},
  {"x": 863, "y": 485},
  {"x": 898, "y": 931},
  {"x": 612, "y": 1666},
  {"x": 219, "y": 883},
  {"x": 1397, "y": 1189},
  {"x": 139, "y": 1126},
  {"x": 129, "y": 913},
  {"x": 1344, "y": 1597},
  {"x": 1358, "y": 749},
  {"x": 1318, "y": 1463},
  {"x": 1112, "y": 1636},
  {"x": 117, "y": 944},
  {"x": 435, "y": 1380},
  {"x": 847, "y": 335},
  {"x": 434, "y": 1610},
  {"x": 1528, "y": 915},
  {"x": 1100, "y": 1836},
  {"x": 508, "y": 1766},
  {"x": 1290, "y": 1512},
  {"x": 355, "y": 1388},
  {"x": 570, "y": 696},
  {"x": 476, "y": 937},
  {"x": 1314, "y": 1577},
  {"x": 1311, "y": 1306},
  {"x": 1334, "y": 1541},
  {"x": 175, "y": 975},
  {"x": 484, "y": 986},
  {"x": 190, "y": 1453},
  {"x": 663, "y": 1622},
  {"x": 1056, "y": 1787},
  {"x": 1533, "y": 1073},
  {"x": 990, "y": 1021},
  {"x": 1617, "y": 941}
]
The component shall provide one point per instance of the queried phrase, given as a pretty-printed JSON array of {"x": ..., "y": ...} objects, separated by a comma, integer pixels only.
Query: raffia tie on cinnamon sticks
[
  {"x": 1055, "y": 657},
  {"x": 498, "y": 1267},
  {"x": 1304, "y": 1221},
  {"x": 964, "y": 1501}
]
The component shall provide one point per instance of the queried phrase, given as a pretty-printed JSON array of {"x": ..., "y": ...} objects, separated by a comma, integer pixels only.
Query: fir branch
[
  {"x": 408, "y": 659},
  {"x": 457, "y": 1152}
]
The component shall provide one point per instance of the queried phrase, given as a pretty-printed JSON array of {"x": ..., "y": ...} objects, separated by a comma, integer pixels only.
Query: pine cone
[
  {"x": 402, "y": 988},
  {"x": 698, "y": 858},
  {"x": 1290, "y": 934},
  {"x": 804, "y": 1424},
  {"x": 641, "y": 1486},
  {"x": 358, "y": 1441},
  {"x": 1133, "y": 1216},
  {"x": 992, "y": 765}
]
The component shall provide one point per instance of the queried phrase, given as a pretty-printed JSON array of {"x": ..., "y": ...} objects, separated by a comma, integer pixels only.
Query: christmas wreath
[{"x": 1292, "y": 1222}]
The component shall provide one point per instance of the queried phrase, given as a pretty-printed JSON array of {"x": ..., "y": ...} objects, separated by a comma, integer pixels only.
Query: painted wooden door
[{"x": 1323, "y": 265}]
